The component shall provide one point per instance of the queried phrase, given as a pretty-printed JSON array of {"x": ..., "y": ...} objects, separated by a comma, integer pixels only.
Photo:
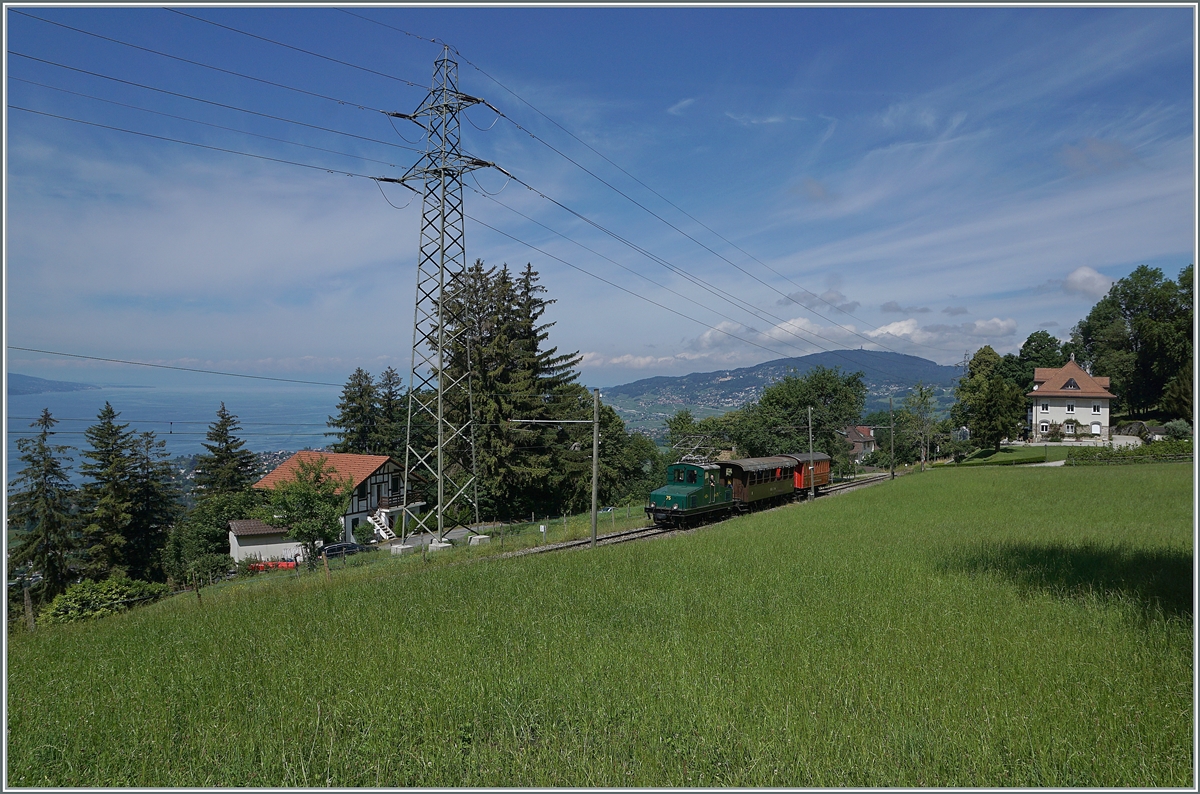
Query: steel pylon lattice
[{"x": 440, "y": 400}]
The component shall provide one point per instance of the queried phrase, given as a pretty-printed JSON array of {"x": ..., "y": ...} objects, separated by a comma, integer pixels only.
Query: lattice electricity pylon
[
  {"x": 437, "y": 396},
  {"x": 696, "y": 448}
]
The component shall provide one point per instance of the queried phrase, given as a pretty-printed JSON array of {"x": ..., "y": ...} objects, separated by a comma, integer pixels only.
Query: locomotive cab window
[
  {"x": 691, "y": 477},
  {"x": 679, "y": 475}
]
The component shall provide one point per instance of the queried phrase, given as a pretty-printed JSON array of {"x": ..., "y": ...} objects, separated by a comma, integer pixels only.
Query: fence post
[
  {"x": 325, "y": 559},
  {"x": 28, "y": 605}
]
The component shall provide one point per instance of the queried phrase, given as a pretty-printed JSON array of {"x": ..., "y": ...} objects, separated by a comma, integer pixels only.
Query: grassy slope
[{"x": 1001, "y": 627}]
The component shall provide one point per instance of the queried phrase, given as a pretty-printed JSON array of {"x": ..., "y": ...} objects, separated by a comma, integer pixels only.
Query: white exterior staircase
[{"x": 379, "y": 521}]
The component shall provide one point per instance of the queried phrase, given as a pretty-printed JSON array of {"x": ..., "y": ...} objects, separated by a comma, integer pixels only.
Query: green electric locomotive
[{"x": 693, "y": 491}]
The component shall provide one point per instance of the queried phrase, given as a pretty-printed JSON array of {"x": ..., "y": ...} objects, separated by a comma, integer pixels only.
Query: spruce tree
[
  {"x": 358, "y": 415},
  {"x": 228, "y": 467},
  {"x": 40, "y": 508},
  {"x": 106, "y": 499},
  {"x": 154, "y": 507},
  {"x": 393, "y": 415}
]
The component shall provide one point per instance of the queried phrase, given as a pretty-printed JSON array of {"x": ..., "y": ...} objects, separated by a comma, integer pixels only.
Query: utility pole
[
  {"x": 595, "y": 457},
  {"x": 812, "y": 486},
  {"x": 892, "y": 452},
  {"x": 444, "y": 461}
]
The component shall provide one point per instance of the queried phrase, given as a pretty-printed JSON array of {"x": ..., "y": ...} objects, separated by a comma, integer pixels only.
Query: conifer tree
[
  {"x": 154, "y": 507},
  {"x": 41, "y": 509},
  {"x": 358, "y": 416},
  {"x": 393, "y": 415},
  {"x": 106, "y": 499},
  {"x": 228, "y": 467}
]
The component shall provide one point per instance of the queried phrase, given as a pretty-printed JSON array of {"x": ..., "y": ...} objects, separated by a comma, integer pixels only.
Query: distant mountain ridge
[
  {"x": 884, "y": 373},
  {"x": 27, "y": 384}
]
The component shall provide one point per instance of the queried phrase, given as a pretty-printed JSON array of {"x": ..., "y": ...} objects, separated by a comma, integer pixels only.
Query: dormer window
[{"x": 1071, "y": 384}]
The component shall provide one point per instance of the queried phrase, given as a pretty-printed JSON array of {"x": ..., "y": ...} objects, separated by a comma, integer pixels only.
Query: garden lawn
[{"x": 961, "y": 627}]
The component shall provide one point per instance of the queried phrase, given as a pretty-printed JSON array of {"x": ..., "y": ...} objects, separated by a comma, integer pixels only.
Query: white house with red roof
[
  {"x": 376, "y": 483},
  {"x": 863, "y": 440},
  {"x": 1073, "y": 399}
]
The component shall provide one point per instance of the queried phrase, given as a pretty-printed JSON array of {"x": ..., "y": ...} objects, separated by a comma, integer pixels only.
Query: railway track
[{"x": 642, "y": 533}]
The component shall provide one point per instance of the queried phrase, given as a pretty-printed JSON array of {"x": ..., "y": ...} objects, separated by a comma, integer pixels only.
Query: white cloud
[{"x": 1087, "y": 282}]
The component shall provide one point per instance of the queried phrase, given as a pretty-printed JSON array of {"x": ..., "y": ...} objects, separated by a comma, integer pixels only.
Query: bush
[
  {"x": 210, "y": 567},
  {"x": 88, "y": 600},
  {"x": 1177, "y": 430}
]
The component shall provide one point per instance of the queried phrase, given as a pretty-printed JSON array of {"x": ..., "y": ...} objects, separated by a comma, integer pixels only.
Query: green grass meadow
[{"x": 960, "y": 627}]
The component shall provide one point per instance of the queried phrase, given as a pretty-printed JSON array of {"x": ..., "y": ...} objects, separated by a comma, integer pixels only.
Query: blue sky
[{"x": 923, "y": 180}]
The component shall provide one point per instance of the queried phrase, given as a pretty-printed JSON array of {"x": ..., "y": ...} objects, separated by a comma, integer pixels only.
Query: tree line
[{"x": 127, "y": 520}]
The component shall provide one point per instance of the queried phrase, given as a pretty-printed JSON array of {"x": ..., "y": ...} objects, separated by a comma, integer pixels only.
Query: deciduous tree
[{"x": 310, "y": 504}]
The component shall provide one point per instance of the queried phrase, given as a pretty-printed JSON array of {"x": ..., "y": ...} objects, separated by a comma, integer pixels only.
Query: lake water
[{"x": 275, "y": 417}]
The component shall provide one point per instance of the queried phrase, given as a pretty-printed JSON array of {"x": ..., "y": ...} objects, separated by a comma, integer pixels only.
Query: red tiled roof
[
  {"x": 1050, "y": 382},
  {"x": 252, "y": 526},
  {"x": 357, "y": 467}
]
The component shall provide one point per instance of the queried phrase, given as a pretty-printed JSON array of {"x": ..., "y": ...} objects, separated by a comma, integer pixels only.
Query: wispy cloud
[
  {"x": 954, "y": 311},
  {"x": 680, "y": 106},
  {"x": 892, "y": 306}
]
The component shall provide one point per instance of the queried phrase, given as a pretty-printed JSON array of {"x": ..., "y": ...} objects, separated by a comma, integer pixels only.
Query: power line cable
[
  {"x": 205, "y": 123},
  {"x": 219, "y": 104},
  {"x": 201, "y": 64},
  {"x": 623, "y": 289},
  {"x": 297, "y": 49},
  {"x": 201, "y": 145},
  {"x": 166, "y": 366},
  {"x": 212, "y": 102},
  {"x": 618, "y": 264},
  {"x": 783, "y": 325},
  {"x": 648, "y": 188}
]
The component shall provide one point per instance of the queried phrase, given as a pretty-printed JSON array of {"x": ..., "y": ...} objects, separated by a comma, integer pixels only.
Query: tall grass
[{"x": 994, "y": 627}]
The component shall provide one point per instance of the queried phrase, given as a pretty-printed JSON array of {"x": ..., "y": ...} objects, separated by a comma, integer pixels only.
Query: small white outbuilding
[{"x": 253, "y": 539}]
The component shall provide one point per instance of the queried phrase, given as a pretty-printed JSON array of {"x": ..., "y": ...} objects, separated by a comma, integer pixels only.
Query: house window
[
  {"x": 1044, "y": 427},
  {"x": 1069, "y": 428},
  {"x": 395, "y": 483},
  {"x": 1045, "y": 408},
  {"x": 1095, "y": 408},
  {"x": 361, "y": 493},
  {"x": 1070, "y": 408},
  {"x": 1070, "y": 384}
]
